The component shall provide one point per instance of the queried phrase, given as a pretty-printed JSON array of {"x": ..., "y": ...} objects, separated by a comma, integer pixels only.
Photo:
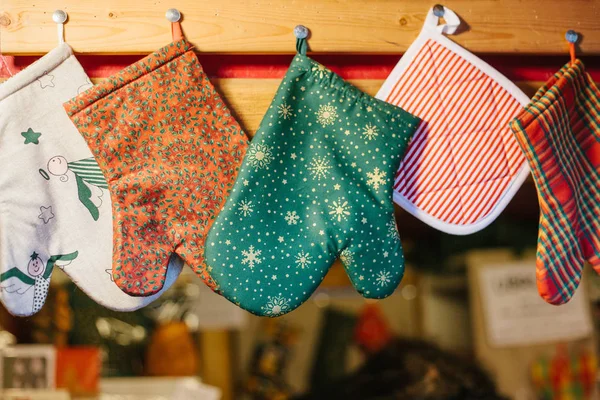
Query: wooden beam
[
  {"x": 249, "y": 99},
  {"x": 265, "y": 26}
]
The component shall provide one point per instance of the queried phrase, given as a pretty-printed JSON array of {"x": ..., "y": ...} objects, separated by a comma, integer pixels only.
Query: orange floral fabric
[{"x": 170, "y": 150}]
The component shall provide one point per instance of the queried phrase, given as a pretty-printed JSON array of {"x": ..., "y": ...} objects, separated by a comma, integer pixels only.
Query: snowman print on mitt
[{"x": 316, "y": 184}]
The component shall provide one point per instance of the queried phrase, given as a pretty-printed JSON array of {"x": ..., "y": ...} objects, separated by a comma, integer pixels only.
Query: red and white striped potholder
[{"x": 463, "y": 165}]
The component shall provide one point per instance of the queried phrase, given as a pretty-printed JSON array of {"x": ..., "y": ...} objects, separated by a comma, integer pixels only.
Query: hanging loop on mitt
[
  {"x": 572, "y": 37},
  {"x": 301, "y": 32},
  {"x": 60, "y": 17},
  {"x": 174, "y": 16},
  {"x": 452, "y": 21}
]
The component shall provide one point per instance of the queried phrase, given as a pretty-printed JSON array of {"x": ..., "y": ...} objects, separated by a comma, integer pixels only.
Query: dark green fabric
[
  {"x": 301, "y": 46},
  {"x": 316, "y": 183},
  {"x": 85, "y": 195}
]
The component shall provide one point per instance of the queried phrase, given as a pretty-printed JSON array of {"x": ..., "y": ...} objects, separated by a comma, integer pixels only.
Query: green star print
[
  {"x": 31, "y": 136},
  {"x": 316, "y": 184}
]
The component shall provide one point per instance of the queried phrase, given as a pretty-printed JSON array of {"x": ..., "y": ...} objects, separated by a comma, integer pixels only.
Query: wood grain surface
[
  {"x": 249, "y": 99},
  {"x": 265, "y": 26}
]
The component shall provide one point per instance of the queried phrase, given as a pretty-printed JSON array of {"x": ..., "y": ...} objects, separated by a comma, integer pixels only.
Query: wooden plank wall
[
  {"x": 265, "y": 26},
  {"x": 251, "y": 109}
]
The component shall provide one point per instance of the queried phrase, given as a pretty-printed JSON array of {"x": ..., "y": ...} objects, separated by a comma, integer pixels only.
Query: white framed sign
[
  {"x": 516, "y": 315},
  {"x": 28, "y": 367}
]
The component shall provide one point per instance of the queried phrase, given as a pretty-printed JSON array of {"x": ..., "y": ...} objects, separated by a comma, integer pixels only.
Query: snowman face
[
  {"x": 35, "y": 267},
  {"x": 58, "y": 166}
]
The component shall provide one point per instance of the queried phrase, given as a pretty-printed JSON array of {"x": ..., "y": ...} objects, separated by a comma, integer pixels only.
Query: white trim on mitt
[{"x": 431, "y": 30}]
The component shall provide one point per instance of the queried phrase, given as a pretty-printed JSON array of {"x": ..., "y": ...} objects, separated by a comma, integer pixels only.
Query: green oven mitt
[{"x": 316, "y": 184}]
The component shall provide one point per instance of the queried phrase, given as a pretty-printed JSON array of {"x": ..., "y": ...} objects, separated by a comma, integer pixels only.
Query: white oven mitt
[
  {"x": 463, "y": 165},
  {"x": 55, "y": 209}
]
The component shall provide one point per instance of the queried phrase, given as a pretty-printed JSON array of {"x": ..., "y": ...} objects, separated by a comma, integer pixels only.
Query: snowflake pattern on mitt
[{"x": 316, "y": 184}]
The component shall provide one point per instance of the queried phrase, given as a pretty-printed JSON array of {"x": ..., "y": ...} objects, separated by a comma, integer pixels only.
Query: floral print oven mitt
[
  {"x": 315, "y": 184},
  {"x": 170, "y": 150}
]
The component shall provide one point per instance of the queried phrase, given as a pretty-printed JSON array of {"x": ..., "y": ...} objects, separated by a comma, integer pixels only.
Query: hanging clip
[
  {"x": 301, "y": 33},
  {"x": 60, "y": 17},
  {"x": 437, "y": 12},
  {"x": 572, "y": 37},
  {"x": 174, "y": 16}
]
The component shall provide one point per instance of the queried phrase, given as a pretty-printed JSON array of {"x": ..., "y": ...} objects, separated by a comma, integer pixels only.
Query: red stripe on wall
[{"x": 516, "y": 68}]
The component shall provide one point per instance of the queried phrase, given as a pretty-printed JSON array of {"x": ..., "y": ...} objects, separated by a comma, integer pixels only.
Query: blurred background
[{"x": 465, "y": 323}]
